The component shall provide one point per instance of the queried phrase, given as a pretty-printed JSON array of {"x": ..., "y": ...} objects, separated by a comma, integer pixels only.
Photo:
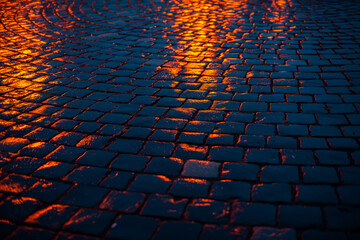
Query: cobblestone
[
  {"x": 156, "y": 119},
  {"x": 208, "y": 211},
  {"x": 254, "y": 214}
]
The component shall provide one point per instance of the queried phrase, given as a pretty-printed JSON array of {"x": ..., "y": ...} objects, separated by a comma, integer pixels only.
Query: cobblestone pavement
[{"x": 179, "y": 119}]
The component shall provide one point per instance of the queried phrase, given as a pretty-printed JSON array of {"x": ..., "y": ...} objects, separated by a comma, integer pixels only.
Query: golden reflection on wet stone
[{"x": 204, "y": 117}]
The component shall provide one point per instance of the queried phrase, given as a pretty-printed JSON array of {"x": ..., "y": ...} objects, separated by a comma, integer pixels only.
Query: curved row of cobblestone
[{"x": 179, "y": 119}]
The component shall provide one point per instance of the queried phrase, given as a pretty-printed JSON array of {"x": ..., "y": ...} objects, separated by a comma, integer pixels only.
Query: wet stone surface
[{"x": 201, "y": 119}]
